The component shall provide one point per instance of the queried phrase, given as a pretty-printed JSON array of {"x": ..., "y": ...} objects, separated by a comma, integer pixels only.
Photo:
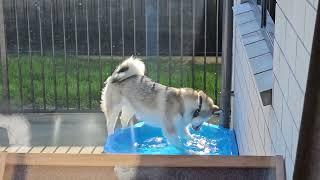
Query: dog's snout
[{"x": 217, "y": 112}]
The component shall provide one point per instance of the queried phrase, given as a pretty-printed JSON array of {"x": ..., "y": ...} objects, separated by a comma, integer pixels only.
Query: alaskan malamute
[{"x": 130, "y": 92}]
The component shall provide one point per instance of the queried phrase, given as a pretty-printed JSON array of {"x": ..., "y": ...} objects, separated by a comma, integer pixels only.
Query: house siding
[{"x": 274, "y": 129}]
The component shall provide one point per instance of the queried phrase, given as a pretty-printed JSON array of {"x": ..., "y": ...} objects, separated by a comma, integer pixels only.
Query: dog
[
  {"x": 129, "y": 92},
  {"x": 18, "y": 129}
]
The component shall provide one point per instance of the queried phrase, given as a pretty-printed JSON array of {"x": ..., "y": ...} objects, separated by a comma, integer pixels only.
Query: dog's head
[
  {"x": 130, "y": 67},
  {"x": 204, "y": 110}
]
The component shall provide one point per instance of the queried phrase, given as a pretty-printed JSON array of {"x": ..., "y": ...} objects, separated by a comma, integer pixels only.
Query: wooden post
[
  {"x": 4, "y": 63},
  {"x": 280, "y": 171},
  {"x": 3, "y": 157}
]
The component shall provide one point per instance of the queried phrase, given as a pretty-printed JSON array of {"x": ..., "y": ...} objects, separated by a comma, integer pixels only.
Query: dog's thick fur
[
  {"x": 18, "y": 129},
  {"x": 128, "y": 91}
]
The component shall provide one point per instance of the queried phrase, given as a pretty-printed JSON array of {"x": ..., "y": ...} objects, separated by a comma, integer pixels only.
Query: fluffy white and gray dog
[
  {"x": 130, "y": 92},
  {"x": 18, "y": 129}
]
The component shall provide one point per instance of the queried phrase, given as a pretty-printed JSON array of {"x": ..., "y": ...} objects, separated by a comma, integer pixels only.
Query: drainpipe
[{"x": 227, "y": 32}]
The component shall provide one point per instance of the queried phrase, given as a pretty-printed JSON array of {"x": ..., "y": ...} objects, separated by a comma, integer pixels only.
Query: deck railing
[
  {"x": 56, "y": 54},
  {"x": 74, "y": 163}
]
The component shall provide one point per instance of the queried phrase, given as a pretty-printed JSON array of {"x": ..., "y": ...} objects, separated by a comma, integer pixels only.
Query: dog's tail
[
  {"x": 130, "y": 67},
  {"x": 103, "y": 105}
]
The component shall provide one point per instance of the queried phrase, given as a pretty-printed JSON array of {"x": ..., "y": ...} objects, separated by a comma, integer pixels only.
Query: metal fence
[{"x": 58, "y": 52}]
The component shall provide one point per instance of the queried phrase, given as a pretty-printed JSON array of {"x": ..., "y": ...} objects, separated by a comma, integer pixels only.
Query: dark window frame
[{"x": 265, "y": 9}]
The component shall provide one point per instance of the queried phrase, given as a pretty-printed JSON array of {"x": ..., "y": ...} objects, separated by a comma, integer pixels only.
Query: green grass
[{"x": 181, "y": 76}]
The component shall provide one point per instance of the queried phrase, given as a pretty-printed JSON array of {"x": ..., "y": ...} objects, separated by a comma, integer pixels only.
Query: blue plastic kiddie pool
[{"x": 144, "y": 139}]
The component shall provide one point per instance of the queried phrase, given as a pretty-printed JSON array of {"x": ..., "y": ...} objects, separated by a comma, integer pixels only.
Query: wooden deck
[
  {"x": 69, "y": 146},
  {"x": 53, "y": 149},
  {"x": 88, "y": 162}
]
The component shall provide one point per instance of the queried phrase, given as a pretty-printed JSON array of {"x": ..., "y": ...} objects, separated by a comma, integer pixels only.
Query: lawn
[{"x": 89, "y": 79}]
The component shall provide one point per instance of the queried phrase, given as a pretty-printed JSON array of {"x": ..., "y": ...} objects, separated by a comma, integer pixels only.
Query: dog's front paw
[{"x": 187, "y": 134}]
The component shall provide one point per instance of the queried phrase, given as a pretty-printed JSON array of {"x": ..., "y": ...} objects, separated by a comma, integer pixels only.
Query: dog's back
[{"x": 141, "y": 89}]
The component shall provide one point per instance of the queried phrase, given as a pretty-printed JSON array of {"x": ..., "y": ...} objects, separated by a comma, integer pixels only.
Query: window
[
  {"x": 271, "y": 7},
  {"x": 266, "y": 10}
]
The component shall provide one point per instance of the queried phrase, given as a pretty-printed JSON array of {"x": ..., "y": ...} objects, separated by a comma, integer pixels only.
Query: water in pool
[{"x": 144, "y": 139}]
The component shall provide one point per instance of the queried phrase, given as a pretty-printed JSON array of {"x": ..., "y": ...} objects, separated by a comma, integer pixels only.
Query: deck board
[
  {"x": 98, "y": 150},
  {"x": 3, "y": 148},
  {"x": 36, "y": 149},
  {"x": 74, "y": 150},
  {"x": 87, "y": 150},
  {"x": 61, "y": 163},
  {"x": 24, "y": 149},
  {"x": 49, "y": 149},
  {"x": 54, "y": 149},
  {"x": 62, "y": 149},
  {"x": 12, "y": 149},
  {"x": 98, "y": 160},
  {"x": 3, "y": 158}
]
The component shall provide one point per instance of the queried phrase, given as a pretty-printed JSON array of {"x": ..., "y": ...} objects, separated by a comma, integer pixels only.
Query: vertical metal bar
[
  {"x": 146, "y": 34},
  {"x": 158, "y": 60},
  {"x": 122, "y": 29},
  {"x": 43, "y": 60},
  {"x": 40, "y": 28},
  {"x": 134, "y": 28},
  {"x": 205, "y": 47},
  {"x": 263, "y": 13},
  {"x": 227, "y": 30},
  {"x": 4, "y": 62},
  {"x": 99, "y": 36},
  {"x": 193, "y": 39},
  {"x": 88, "y": 56},
  {"x": 18, "y": 53},
  {"x": 181, "y": 43},
  {"x": 77, "y": 59},
  {"x": 53, "y": 58},
  {"x": 111, "y": 44},
  {"x": 65, "y": 56},
  {"x": 217, "y": 53},
  {"x": 30, "y": 59},
  {"x": 170, "y": 52}
]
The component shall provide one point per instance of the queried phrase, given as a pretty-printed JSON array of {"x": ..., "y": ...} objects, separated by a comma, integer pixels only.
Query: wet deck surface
[{"x": 64, "y": 129}]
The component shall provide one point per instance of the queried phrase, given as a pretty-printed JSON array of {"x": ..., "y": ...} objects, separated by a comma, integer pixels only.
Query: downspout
[{"x": 227, "y": 35}]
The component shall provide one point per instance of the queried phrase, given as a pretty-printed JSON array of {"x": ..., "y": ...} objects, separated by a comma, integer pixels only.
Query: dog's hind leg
[
  {"x": 112, "y": 111},
  {"x": 126, "y": 114},
  {"x": 112, "y": 117}
]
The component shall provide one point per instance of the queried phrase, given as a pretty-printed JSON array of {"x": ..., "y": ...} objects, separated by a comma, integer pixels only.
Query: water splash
[{"x": 133, "y": 138}]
